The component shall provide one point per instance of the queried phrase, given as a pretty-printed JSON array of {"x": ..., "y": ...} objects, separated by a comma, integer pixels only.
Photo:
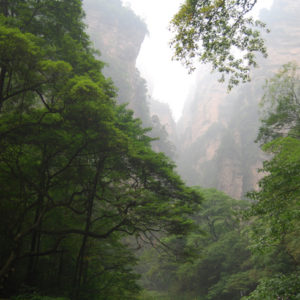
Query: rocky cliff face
[
  {"x": 118, "y": 33},
  {"x": 217, "y": 129},
  {"x": 164, "y": 113}
]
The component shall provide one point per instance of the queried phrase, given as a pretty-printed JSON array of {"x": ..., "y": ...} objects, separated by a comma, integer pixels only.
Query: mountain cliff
[
  {"x": 164, "y": 113},
  {"x": 214, "y": 139},
  {"x": 118, "y": 34},
  {"x": 217, "y": 129}
]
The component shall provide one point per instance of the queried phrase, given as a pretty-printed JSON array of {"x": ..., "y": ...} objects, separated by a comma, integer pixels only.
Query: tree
[
  {"x": 77, "y": 172},
  {"x": 280, "y": 105},
  {"x": 279, "y": 287},
  {"x": 220, "y": 267},
  {"x": 276, "y": 204},
  {"x": 221, "y": 33},
  {"x": 276, "y": 201}
]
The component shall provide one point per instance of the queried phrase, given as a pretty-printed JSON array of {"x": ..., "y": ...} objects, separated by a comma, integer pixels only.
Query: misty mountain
[
  {"x": 217, "y": 129},
  {"x": 118, "y": 34},
  {"x": 214, "y": 139}
]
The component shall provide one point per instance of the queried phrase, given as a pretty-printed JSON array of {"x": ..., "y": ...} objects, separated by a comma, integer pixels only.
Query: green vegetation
[
  {"x": 220, "y": 266},
  {"x": 242, "y": 249},
  {"x": 77, "y": 172},
  {"x": 126, "y": 38},
  {"x": 212, "y": 30},
  {"x": 82, "y": 188},
  {"x": 276, "y": 205},
  {"x": 119, "y": 49}
]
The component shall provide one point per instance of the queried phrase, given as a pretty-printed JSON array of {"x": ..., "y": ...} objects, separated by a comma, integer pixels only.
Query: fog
[
  {"x": 215, "y": 131},
  {"x": 168, "y": 81}
]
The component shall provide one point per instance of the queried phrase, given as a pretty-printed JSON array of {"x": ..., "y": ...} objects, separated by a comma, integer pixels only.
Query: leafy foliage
[
  {"x": 77, "y": 172},
  {"x": 220, "y": 267},
  {"x": 277, "y": 201},
  {"x": 213, "y": 31},
  {"x": 278, "y": 287},
  {"x": 276, "y": 205},
  {"x": 280, "y": 105}
]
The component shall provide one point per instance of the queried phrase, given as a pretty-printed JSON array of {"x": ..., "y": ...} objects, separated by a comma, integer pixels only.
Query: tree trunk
[
  {"x": 35, "y": 246},
  {"x": 2, "y": 79},
  {"x": 79, "y": 270}
]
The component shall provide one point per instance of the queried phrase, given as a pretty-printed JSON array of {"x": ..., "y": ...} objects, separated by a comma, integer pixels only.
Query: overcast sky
[{"x": 168, "y": 81}]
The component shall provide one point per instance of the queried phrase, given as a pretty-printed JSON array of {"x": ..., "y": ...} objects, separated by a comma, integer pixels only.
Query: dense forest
[{"x": 91, "y": 205}]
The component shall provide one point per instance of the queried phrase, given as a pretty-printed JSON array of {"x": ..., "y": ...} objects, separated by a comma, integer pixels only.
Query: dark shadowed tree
[{"x": 77, "y": 172}]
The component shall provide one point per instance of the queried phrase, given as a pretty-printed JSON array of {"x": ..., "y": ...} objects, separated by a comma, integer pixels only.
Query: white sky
[{"x": 168, "y": 81}]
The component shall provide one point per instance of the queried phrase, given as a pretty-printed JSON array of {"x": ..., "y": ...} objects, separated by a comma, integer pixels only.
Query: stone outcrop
[
  {"x": 118, "y": 34},
  {"x": 163, "y": 111}
]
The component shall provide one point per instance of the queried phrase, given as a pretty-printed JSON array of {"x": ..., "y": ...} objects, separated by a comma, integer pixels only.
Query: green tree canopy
[
  {"x": 275, "y": 207},
  {"x": 77, "y": 172},
  {"x": 277, "y": 200},
  {"x": 220, "y": 267},
  {"x": 280, "y": 105},
  {"x": 219, "y": 32}
]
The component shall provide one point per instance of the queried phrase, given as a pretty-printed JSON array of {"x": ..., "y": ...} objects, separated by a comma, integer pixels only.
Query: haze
[{"x": 168, "y": 81}]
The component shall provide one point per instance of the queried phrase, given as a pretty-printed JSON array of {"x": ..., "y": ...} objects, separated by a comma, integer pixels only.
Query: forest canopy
[{"x": 77, "y": 172}]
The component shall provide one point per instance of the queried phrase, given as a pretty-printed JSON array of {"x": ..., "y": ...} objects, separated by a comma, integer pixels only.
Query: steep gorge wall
[
  {"x": 214, "y": 138},
  {"x": 217, "y": 130},
  {"x": 164, "y": 113},
  {"x": 118, "y": 34}
]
